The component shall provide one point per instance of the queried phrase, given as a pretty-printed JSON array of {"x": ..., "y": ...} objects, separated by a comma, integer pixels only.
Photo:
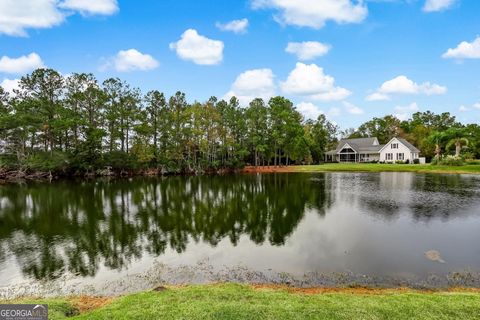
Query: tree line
[{"x": 76, "y": 124}]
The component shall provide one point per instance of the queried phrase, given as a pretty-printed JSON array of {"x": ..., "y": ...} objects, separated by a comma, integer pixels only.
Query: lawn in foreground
[
  {"x": 382, "y": 167},
  {"x": 234, "y": 301}
]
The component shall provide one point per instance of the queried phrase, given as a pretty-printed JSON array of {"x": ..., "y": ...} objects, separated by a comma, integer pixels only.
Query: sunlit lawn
[
  {"x": 379, "y": 167},
  {"x": 231, "y": 301}
]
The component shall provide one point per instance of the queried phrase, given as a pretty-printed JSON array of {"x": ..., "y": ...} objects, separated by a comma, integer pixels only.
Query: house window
[
  {"x": 394, "y": 145},
  {"x": 389, "y": 156},
  {"x": 400, "y": 156}
]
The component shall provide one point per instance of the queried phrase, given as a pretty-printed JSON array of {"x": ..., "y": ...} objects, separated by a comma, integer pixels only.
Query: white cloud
[
  {"x": 309, "y": 110},
  {"x": 432, "y": 89},
  {"x": 10, "y": 85},
  {"x": 310, "y": 81},
  {"x": 465, "y": 50},
  {"x": 465, "y": 108},
  {"x": 335, "y": 94},
  {"x": 308, "y": 50},
  {"x": 377, "y": 96},
  {"x": 91, "y": 7},
  {"x": 315, "y": 13},
  {"x": 236, "y": 26},
  {"x": 353, "y": 109},
  {"x": 199, "y": 49},
  {"x": 403, "y": 85},
  {"x": 21, "y": 64},
  {"x": 251, "y": 84},
  {"x": 131, "y": 60},
  {"x": 400, "y": 84},
  {"x": 437, "y": 5},
  {"x": 403, "y": 113},
  {"x": 16, "y": 16}
]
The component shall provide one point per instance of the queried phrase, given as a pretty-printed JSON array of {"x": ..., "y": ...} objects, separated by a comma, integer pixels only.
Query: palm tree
[
  {"x": 437, "y": 138},
  {"x": 456, "y": 137}
]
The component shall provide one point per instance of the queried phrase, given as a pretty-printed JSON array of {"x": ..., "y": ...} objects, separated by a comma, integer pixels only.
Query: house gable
[
  {"x": 389, "y": 143},
  {"x": 409, "y": 146},
  {"x": 397, "y": 150},
  {"x": 345, "y": 146}
]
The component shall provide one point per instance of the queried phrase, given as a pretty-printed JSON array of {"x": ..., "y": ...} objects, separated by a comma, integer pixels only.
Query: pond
[{"x": 322, "y": 229}]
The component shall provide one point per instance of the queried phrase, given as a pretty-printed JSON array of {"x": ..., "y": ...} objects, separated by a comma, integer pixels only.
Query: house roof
[
  {"x": 409, "y": 145},
  {"x": 361, "y": 145},
  {"x": 369, "y": 145}
]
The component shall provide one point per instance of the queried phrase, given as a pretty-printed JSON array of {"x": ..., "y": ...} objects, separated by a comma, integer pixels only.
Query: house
[
  {"x": 369, "y": 149},
  {"x": 399, "y": 149}
]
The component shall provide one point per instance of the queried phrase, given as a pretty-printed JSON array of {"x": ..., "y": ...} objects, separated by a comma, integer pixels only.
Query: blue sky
[{"x": 351, "y": 60}]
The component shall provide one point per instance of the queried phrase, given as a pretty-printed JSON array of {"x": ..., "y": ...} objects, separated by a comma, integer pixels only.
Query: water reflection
[
  {"x": 76, "y": 226},
  {"x": 48, "y": 230},
  {"x": 423, "y": 196}
]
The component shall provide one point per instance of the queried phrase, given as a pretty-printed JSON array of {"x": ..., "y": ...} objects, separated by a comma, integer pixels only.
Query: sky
[{"x": 350, "y": 60}]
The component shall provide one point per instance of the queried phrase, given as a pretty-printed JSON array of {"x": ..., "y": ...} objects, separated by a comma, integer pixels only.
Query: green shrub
[
  {"x": 8, "y": 161},
  {"x": 46, "y": 161},
  {"x": 448, "y": 161},
  {"x": 119, "y": 160},
  {"x": 416, "y": 161},
  {"x": 468, "y": 156}
]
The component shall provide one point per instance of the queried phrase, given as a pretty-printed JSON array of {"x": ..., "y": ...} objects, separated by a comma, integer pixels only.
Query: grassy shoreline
[
  {"x": 235, "y": 301},
  {"x": 371, "y": 167}
]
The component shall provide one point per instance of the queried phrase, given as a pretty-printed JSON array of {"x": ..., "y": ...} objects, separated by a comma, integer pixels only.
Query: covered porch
[{"x": 348, "y": 154}]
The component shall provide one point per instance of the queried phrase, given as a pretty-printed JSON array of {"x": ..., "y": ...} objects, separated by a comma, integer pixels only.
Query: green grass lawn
[
  {"x": 379, "y": 167},
  {"x": 232, "y": 301}
]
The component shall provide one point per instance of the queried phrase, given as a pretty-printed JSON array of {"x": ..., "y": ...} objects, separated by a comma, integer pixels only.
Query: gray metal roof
[
  {"x": 361, "y": 145},
  {"x": 409, "y": 145}
]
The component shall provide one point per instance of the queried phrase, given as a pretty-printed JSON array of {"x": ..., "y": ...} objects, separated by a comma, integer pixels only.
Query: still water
[{"x": 301, "y": 229}]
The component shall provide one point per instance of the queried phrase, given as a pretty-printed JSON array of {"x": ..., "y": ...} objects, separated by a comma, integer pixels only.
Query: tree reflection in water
[{"x": 78, "y": 226}]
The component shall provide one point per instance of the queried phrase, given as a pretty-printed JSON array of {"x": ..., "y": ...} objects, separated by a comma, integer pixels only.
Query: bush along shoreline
[{"x": 11, "y": 175}]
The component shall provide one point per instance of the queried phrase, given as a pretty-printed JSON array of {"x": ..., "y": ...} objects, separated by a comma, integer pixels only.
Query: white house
[
  {"x": 368, "y": 149},
  {"x": 399, "y": 149}
]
